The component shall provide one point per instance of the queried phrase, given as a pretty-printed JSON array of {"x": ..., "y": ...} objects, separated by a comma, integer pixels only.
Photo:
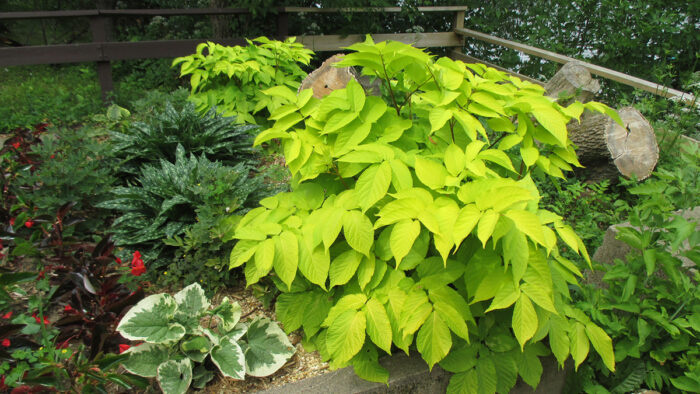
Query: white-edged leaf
[
  {"x": 268, "y": 348},
  {"x": 228, "y": 357},
  {"x": 144, "y": 359},
  {"x": 175, "y": 377},
  {"x": 152, "y": 320}
]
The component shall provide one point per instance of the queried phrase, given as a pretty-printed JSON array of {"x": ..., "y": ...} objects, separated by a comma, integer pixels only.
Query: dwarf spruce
[{"x": 413, "y": 222}]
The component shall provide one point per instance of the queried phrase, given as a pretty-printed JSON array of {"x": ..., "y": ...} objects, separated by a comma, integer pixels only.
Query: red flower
[
  {"x": 16, "y": 145},
  {"x": 5, "y": 342},
  {"x": 118, "y": 260},
  {"x": 7, "y": 315},
  {"x": 12, "y": 221},
  {"x": 46, "y": 320},
  {"x": 29, "y": 223},
  {"x": 53, "y": 156},
  {"x": 68, "y": 308},
  {"x": 137, "y": 266},
  {"x": 123, "y": 347}
]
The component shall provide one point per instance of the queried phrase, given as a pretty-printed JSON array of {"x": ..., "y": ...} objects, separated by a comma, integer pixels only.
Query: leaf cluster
[
  {"x": 650, "y": 303},
  {"x": 166, "y": 199},
  {"x": 207, "y": 134},
  {"x": 413, "y": 220},
  {"x": 178, "y": 348},
  {"x": 231, "y": 79}
]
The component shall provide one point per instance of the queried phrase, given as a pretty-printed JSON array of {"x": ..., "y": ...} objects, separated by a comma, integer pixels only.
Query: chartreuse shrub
[
  {"x": 177, "y": 345},
  {"x": 413, "y": 220},
  {"x": 233, "y": 79},
  {"x": 650, "y": 303}
]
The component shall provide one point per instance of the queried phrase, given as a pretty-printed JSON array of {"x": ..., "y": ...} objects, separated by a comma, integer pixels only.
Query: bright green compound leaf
[
  {"x": 290, "y": 308},
  {"x": 438, "y": 117},
  {"x": 434, "y": 339},
  {"x": 228, "y": 357},
  {"x": 373, "y": 184},
  {"x": 431, "y": 173},
  {"x": 403, "y": 235},
  {"x": 152, "y": 320},
  {"x": 282, "y": 91},
  {"x": 579, "y": 343},
  {"x": 314, "y": 265},
  {"x": 346, "y": 335},
  {"x": 559, "y": 338},
  {"x": 287, "y": 260},
  {"x": 540, "y": 293},
  {"x": 486, "y": 371},
  {"x": 365, "y": 271},
  {"x": 264, "y": 257},
  {"x": 467, "y": 219},
  {"x": 348, "y": 302},
  {"x": 401, "y": 177},
  {"x": 144, "y": 359},
  {"x": 528, "y": 223},
  {"x": 464, "y": 383},
  {"x": 268, "y": 348},
  {"x": 530, "y": 155},
  {"x": 487, "y": 223},
  {"x": 378, "y": 326},
  {"x": 344, "y": 266},
  {"x": 506, "y": 296},
  {"x": 516, "y": 252},
  {"x": 454, "y": 159},
  {"x": 454, "y": 320},
  {"x": 358, "y": 231},
  {"x": 174, "y": 377},
  {"x": 602, "y": 344},
  {"x": 524, "y": 320},
  {"x": 366, "y": 365}
]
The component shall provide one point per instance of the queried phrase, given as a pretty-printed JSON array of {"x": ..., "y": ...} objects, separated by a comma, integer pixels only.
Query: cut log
[
  {"x": 608, "y": 148},
  {"x": 572, "y": 82},
  {"x": 327, "y": 78}
]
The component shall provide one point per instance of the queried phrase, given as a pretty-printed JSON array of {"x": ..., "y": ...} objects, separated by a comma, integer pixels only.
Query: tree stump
[
  {"x": 327, "y": 78},
  {"x": 608, "y": 149},
  {"x": 572, "y": 82}
]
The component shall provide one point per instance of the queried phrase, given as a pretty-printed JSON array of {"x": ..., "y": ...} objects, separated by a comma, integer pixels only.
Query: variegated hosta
[
  {"x": 414, "y": 220},
  {"x": 176, "y": 344}
]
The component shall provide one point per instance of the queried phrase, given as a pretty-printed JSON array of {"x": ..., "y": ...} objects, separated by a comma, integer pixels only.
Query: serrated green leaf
[
  {"x": 403, "y": 235},
  {"x": 464, "y": 383},
  {"x": 365, "y": 271},
  {"x": 434, "y": 339},
  {"x": 528, "y": 223},
  {"x": 602, "y": 344},
  {"x": 346, "y": 335},
  {"x": 349, "y": 302},
  {"x": 344, "y": 267},
  {"x": 559, "y": 338},
  {"x": 454, "y": 320},
  {"x": 466, "y": 220},
  {"x": 579, "y": 343},
  {"x": 454, "y": 159},
  {"x": 378, "y": 326},
  {"x": 314, "y": 265},
  {"x": 287, "y": 260},
  {"x": 431, "y": 173},
  {"x": 438, "y": 117},
  {"x": 358, "y": 231},
  {"x": 373, "y": 185},
  {"x": 366, "y": 365},
  {"x": 524, "y": 320},
  {"x": 487, "y": 223}
]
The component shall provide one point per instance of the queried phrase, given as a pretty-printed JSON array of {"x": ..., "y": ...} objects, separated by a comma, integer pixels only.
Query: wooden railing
[
  {"x": 625, "y": 79},
  {"x": 103, "y": 52}
]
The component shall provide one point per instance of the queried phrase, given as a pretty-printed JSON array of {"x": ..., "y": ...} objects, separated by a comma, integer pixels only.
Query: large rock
[{"x": 409, "y": 374}]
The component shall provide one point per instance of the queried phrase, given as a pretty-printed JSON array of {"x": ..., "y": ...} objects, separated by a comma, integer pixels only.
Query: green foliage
[
  {"x": 598, "y": 31},
  {"x": 409, "y": 223},
  {"x": 157, "y": 139},
  {"x": 177, "y": 343},
  {"x": 167, "y": 199},
  {"x": 650, "y": 303},
  {"x": 62, "y": 95},
  {"x": 233, "y": 79},
  {"x": 589, "y": 208},
  {"x": 71, "y": 166}
]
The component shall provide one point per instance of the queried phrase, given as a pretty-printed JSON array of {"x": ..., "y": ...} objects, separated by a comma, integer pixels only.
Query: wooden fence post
[
  {"x": 282, "y": 24},
  {"x": 100, "y": 27},
  {"x": 459, "y": 23}
]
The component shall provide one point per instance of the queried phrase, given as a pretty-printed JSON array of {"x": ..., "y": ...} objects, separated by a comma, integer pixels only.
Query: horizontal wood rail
[
  {"x": 103, "y": 52},
  {"x": 617, "y": 76}
]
